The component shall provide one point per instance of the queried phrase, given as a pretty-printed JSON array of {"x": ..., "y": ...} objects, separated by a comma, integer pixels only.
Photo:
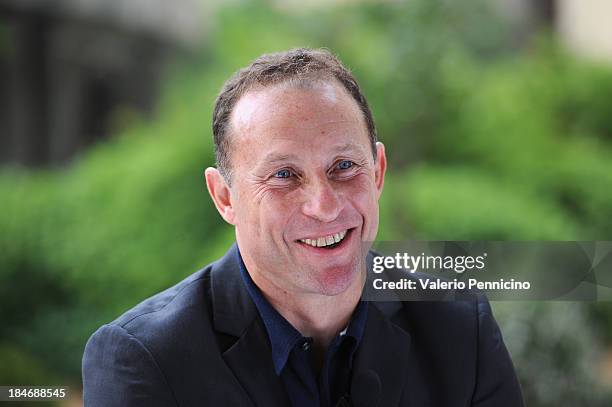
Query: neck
[{"x": 318, "y": 316}]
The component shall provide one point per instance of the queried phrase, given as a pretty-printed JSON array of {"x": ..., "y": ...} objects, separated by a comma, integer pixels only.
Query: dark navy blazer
[{"x": 202, "y": 343}]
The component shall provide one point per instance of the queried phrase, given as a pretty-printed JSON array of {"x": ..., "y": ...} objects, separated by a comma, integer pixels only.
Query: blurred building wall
[
  {"x": 66, "y": 65},
  {"x": 584, "y": 26}
]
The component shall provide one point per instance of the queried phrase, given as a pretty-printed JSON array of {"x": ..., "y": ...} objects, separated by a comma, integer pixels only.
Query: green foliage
[
  {"x": 511, "y": 124},
  {"x": 20, "y": 368},
  {"x": 485, "y": 142},
  {"x": 455, "y": 203},
  {"x": 127, "y": 220}
]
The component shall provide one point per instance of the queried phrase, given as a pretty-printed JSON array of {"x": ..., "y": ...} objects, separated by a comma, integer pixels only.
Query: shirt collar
[{"x": 283, "y": 336}]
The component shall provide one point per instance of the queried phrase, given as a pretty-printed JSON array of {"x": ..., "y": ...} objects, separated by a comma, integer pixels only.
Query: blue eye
[
  {"x": 345, "y": 164},
  {"x": 283, "y": 173}
]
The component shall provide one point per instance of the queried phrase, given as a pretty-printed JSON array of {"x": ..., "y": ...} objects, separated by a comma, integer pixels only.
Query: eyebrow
[
  {"x": 347, "y": 147},
  {"x": 273, "y": 157}
]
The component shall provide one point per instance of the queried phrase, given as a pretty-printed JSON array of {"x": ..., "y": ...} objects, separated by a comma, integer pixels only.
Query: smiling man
[{"x": 279, "y": 320}]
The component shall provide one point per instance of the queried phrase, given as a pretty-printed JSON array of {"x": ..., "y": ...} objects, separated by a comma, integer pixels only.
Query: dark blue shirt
[{"x": 293, "y": 358}]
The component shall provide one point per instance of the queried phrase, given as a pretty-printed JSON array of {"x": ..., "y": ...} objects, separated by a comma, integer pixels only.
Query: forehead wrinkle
[
  {"x": 345, "y": 147},
  {"x": 301, "y": 125},
  {"x": 274, "y": 156}
]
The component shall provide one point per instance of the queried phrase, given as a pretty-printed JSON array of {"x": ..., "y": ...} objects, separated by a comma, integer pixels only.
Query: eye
[
  {"x": 284, "y": 173},
  {"x": 344, "y": 165}
]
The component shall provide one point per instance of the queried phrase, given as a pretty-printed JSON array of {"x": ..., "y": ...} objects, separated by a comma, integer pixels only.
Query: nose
[{"x": 322, "y": 202}]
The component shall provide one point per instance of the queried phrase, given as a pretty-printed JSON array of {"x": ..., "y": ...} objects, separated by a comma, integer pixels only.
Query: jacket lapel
[
  {"x": 387, "y": 349},
  {"x": 251, "y": 360},
  {"x": 250, "y": 356}
]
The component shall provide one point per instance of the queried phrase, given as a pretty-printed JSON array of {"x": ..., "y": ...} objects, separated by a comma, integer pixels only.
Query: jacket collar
[
  {"x": 233, "y": 309},
  {"x": 385, "y": 347},
  {"x": 250, "y": 357}
]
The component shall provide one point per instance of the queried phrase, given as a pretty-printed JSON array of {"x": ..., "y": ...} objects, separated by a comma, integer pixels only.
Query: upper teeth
[{"x": 325, "y": 240}]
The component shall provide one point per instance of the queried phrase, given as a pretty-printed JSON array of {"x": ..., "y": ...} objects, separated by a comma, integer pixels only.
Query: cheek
[
  {"x": 362, "y": 190},
  {"x": 272, "y": 211},
  {"x": 363, "y": 196},
  {"x": 248, "y": 208}
]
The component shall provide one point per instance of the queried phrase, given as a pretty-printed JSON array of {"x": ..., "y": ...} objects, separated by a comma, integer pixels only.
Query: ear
[
  {"x": 380, "y": 167},
  {"x": 220, "y": 193}
]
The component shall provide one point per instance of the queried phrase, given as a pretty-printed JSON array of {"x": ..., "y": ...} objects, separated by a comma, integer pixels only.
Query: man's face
[{"x": 305, "y": 187}]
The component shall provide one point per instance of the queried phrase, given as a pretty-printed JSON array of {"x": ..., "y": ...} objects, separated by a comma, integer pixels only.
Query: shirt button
[{"x": 305, "y": 346}]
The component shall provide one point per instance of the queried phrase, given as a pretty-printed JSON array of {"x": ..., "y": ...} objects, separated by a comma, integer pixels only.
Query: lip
[
  {"x": 335, "y": 250},
  {"x": 331, "y": 232}
]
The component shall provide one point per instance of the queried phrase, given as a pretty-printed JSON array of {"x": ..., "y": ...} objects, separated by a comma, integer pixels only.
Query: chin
[{"x": 336, "y": 280}]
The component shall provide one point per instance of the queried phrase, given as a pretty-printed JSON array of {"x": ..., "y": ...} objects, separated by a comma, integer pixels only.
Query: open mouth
[{"x": 327, "y": 242}]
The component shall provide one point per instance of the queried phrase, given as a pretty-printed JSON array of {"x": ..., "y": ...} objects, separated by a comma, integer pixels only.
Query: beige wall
[{"x": 585, "y": 26}]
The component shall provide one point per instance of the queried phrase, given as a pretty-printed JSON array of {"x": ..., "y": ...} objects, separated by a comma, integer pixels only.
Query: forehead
[{"x": 321, "y": 112}]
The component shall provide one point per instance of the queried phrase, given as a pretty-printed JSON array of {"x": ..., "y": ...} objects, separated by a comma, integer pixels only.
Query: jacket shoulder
[{"x": 159, "y": 319}]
